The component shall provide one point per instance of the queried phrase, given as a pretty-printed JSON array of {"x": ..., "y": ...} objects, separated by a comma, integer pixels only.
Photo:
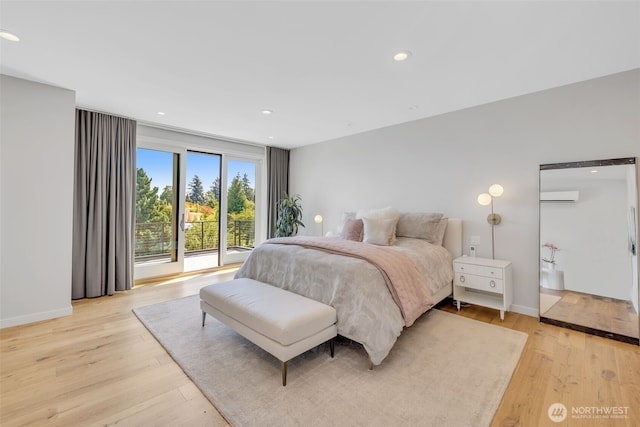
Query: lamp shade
[
  {"x": 496, "y": 190},
  {"x": 484, "y": 199},
  {"x": 318, "y": 219}
]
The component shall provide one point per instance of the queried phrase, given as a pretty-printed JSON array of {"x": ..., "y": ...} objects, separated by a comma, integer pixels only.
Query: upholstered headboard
[{"x": 453, "y": 237}]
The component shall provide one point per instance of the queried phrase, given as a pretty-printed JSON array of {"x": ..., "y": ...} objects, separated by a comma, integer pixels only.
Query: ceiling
[{"x": 325, "y": 69}]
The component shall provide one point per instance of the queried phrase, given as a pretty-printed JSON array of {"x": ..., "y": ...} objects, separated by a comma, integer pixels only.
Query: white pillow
[
  {"x": 379, "y": 231},
  {"x": 346, "y": 216},
  {"x": 387, "y": 213}
]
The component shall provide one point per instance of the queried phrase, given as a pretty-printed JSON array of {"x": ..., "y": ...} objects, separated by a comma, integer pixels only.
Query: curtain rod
[{"x": 177, "y": 129}]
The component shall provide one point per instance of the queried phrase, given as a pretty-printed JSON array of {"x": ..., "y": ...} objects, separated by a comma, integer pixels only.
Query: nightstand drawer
[
  {"x": 482, "y": 283},
  {"x": 478, "y": 270}
]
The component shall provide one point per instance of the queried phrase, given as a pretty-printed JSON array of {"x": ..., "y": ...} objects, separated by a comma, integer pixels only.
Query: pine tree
[
  {"x": 196, "y": 191},
  {"x": 167, "y": 194},
  {"x": 248, "y": 190},
  {"x": 236, "y": 197},
  {"x": 213, "y": 195},
  {"x": 146, "y": 198}
]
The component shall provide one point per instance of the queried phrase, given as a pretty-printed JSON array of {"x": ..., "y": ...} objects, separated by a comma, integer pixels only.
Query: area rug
[{"x": 445, "y": 370}]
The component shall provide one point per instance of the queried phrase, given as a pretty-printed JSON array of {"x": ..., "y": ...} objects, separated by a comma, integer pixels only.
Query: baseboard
[
  {"x": 527, "y": 311},
  {"x": 592, "y": 331},
  {"x": 35, "y": 317}
]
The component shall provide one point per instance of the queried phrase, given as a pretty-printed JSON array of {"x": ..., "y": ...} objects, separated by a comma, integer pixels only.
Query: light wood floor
[
  {"x": 603, "y": 313},
  {"x": 100, "y": 366}
]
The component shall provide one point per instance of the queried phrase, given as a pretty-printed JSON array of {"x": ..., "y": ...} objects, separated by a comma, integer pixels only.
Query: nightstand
[{"x": 483, "y": 281}]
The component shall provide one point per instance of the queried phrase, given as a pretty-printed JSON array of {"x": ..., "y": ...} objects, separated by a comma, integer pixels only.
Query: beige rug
[{"x": 445, "y": 370}]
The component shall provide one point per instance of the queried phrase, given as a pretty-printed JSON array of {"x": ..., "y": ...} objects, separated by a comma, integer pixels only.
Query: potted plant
[{"x": 289, "y": 216}]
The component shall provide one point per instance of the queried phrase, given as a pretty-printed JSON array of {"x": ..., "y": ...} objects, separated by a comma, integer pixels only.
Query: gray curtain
[
  {"x": 104, "y": 204},
  {"x": 277, "y": 185}
]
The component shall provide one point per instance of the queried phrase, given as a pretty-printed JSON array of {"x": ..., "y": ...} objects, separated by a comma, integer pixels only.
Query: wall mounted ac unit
[{"x": 559, "y": 196}]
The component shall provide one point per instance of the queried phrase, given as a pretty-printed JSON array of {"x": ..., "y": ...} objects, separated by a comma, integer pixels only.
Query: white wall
[
  {"x": 592, "y": 236},
  {"x": 36, "y": 182},
  {"x": 442, "y": 164}
]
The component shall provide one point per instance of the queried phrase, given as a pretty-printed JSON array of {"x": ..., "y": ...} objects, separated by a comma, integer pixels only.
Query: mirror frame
[{"x": 585, "y": 164}]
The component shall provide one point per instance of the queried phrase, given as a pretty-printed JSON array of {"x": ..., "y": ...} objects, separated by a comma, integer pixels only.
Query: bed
[{"x": 367, "y": 308}]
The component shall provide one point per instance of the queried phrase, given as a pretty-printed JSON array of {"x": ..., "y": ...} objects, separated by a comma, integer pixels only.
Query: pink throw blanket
[{"x": 408, "y": 287}]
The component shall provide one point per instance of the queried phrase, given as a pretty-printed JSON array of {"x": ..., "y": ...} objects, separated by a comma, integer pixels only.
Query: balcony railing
[{"x": 154, "y": 239}]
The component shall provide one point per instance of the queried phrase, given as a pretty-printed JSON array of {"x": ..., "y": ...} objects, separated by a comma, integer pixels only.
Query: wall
[
  {"x": 442, "y": 164},
  {"x": 592, "y": 236},
  {"x": 36, "y": 182}
]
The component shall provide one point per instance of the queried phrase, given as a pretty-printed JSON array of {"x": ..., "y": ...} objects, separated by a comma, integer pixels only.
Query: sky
[{"x": 158, "y": 166}]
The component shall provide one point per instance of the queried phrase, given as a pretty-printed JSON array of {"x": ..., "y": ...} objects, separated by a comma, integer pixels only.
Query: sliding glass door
[
  {"x": 202, "y": 211},
  {"x": 195, "y": 210},
  {"x": 240, "y": 209},
  {"x": 158, "y": 237}
]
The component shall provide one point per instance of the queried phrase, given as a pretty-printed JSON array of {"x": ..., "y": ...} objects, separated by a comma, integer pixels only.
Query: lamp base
[{"x": 494, "y": 219}]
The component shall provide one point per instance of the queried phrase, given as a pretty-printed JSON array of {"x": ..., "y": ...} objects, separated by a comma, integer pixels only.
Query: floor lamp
[{"x": 318, "y": 220}]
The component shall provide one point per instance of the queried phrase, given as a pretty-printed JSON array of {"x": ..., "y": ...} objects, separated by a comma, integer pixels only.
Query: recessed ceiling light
[
  {"x": 270, "y": 137},
  {"x": 161, "y": 113},
  {"x": 266, "y": 112},
  {"x": 594, "y": 171},
  {"x": 413, "y": 107},
  {"x": 9, "y": 36},
  {"x": 401, "y": 56}
]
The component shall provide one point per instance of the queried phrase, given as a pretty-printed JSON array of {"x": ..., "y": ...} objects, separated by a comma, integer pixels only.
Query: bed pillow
[
  {"x": 381, "y": 213},
  {"x": 352, "y": 229},
  {"x": 438, "y": 237},
  {"x": 379, "y": 231},
  {"x": 421, "y": 225},
  {"x": 345, "y": 217}
]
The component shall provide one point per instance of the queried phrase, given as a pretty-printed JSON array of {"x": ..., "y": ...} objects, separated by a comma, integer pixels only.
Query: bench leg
[
  {"x": 284, "y": 373},
  {"x": 204, "y": 316}
]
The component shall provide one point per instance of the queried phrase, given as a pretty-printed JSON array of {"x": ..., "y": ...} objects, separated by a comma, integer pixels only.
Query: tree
[
  {"x": 215, "y": 189},
  {"x": 196, "y": 191},
  {"x": 248, "y": 190},
  {"x": 146, "y": 198},
  {"x": 167, "y": 194},
  {"x": 211, "y": 200},
  {"x": 236, "y": 197}
]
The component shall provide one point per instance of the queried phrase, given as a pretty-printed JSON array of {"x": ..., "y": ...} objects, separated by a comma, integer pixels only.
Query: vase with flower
[
  {"x": 550, "y": 277},
  {"x": 551, "y": 259}
]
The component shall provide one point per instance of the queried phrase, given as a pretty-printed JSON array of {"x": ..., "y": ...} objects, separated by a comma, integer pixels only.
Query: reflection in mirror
[{"x": 588, "y": 247}]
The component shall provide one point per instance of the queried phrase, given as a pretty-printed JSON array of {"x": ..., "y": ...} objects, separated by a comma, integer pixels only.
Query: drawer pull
[
  {"x": 462, "y": 279},
  {"x": 492, "y": 283}
]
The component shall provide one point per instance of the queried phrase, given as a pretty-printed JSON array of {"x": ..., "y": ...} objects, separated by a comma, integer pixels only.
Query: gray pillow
[{"x": 421, "y": 225}]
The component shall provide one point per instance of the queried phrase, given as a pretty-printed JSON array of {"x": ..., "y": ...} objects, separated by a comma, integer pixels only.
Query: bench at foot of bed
[{"x": 280, "y": 322}]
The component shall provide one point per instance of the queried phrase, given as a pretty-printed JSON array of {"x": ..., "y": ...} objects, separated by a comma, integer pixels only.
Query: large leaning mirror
[{"x": 588, "y": 247}]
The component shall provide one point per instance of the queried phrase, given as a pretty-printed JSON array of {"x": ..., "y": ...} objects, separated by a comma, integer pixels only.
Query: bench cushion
[{"x": 283, "y": 316}]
